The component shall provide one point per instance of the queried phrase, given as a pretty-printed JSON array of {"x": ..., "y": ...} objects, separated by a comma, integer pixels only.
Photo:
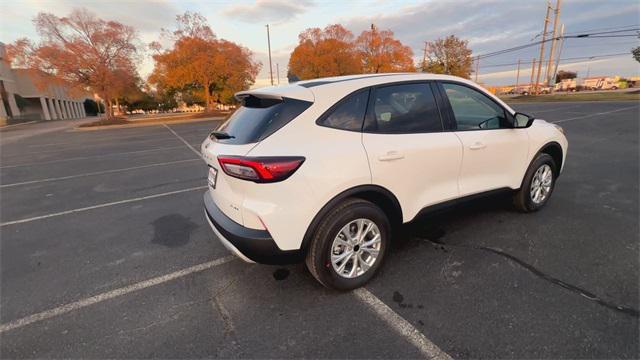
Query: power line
[
  {"x": 564, "y": 59},
  {"x": 580, "y": 36},
  {"x": 613, "y": 31},
  {"x": 605, "y": 28},
  {"x": 575, "y": 45},
  {"x": 602, "y": 36}
]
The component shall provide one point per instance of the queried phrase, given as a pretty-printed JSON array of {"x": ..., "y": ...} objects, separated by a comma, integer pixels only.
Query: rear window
[{"x": 258, "y": 118}]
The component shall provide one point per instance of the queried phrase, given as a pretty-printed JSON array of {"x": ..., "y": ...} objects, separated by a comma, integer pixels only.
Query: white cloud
[{"x": 275, "y": 11}]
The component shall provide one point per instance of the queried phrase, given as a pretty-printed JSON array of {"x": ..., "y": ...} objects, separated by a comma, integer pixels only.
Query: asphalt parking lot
[{"x": 105, "y": 253}]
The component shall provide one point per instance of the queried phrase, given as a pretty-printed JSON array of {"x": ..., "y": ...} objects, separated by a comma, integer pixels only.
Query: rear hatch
[{"x": 262, "y": 113}]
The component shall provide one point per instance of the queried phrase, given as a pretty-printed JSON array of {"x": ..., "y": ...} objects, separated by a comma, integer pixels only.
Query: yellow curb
[{"x": 151, "y": 123}]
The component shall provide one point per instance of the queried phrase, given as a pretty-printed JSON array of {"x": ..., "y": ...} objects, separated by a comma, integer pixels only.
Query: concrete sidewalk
[{"x": 17, "y": 132}]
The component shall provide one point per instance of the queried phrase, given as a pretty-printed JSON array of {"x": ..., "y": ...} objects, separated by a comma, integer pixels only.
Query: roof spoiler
[
  {"x": 242, "y": 95},
  {"x": 278, "y": 93}
]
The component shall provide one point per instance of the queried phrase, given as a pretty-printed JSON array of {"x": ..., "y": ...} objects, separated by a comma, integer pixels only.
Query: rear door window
[
  {"x": 258, "y": 118},
  {"x": 348, "y": 114},
  {"x": 403, "y": 109}
]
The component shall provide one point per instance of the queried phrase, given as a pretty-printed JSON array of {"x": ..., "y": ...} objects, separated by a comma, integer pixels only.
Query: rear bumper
[{"x": 250, "y": 245}]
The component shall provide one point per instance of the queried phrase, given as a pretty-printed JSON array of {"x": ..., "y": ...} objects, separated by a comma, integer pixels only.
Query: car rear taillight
[{"x": 260, "y": 169}]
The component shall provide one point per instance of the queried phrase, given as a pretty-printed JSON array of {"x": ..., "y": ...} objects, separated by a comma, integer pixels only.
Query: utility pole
[
  {"x": 517, "y": 77},
  {"x": 544, "y": 39},
  {"x": 533, "y": 71},
  {"x": 424, "y": 58},
  {"x": 554, "y": 41},
  {"x": 269, "y": 44},
  {"x": 555, "y": 71},
  {"x": 477, "y": 66},
  {"x": 278, "y": 72}
]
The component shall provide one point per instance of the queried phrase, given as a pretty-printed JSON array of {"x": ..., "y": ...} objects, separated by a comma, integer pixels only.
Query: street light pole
[
  {"x": 533, "y": 71},
  {"x": 269, "y": 44},
  {"x": 517, "y": 77}
]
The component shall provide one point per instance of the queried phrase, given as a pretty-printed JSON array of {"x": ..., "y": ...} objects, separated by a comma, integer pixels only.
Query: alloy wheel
[
  {"x": 541, "y": 184},
  {"x": 355, "y": 248}
]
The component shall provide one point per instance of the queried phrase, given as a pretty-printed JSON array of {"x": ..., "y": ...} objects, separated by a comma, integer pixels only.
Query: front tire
[
  {"x": 537, "y": 185},
  {"x": 349, "y": 245}
]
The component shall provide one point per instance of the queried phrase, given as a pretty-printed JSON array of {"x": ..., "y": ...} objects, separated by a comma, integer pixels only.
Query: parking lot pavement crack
[
  {"x": 537, "y": 272},
  {"x": 229, "y": 330},
  {"x": 232, "y": 347}
]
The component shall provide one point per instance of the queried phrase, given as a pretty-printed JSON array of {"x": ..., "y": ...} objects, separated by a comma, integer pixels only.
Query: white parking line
[
  {"x": 90, "y": 157},
  {"x": 554, "y": 109},
  {"x": 93, "y": 145},
  {"x": 400, "y": 325},
  {"x": 47, "y": 314},
  {"x": 96, "y": 173},
  {"x": 100, "y": 206},
  {"x": 596, "y": 114},
  {"x": 184, "y": 141}
]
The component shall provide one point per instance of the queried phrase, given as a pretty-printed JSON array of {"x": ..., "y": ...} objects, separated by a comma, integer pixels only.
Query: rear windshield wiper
[{"x": 220, "y": 135}]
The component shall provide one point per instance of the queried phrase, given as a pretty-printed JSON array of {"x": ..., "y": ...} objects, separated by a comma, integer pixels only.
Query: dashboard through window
[
  {"x": 403, "y": 108},
  {"x": 474, "y": 110}
]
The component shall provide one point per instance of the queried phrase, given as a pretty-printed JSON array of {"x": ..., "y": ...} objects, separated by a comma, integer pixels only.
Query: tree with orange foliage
[
  {"x": 322, "y": 53},
  {"x": 82, "y": 51},
  {"x": 200, "y": 62},
  {"x": 450, "y": 55},
  {"x": 381, "y": 52}
]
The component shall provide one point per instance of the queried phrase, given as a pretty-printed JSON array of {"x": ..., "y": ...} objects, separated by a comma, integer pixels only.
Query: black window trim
[
  {"x": 434, "y": 91},
  {"x": 333, "y": 107},
  {"x": 452, "y": 124}
]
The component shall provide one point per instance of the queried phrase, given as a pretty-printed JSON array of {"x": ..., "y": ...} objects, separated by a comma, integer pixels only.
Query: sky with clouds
[{"x": 488, "y": 25}]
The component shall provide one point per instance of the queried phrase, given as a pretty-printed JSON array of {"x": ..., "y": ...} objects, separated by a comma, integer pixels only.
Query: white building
[{"x": 48, "y": 102}]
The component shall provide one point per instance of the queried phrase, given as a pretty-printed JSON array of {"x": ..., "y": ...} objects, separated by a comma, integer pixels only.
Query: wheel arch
[
  {"x": 373, "y": 193},
  {"x": 553, "y": 149}
]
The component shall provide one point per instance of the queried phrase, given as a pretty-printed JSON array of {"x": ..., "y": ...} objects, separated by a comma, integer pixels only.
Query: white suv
[{"x": 323, "y": 170}]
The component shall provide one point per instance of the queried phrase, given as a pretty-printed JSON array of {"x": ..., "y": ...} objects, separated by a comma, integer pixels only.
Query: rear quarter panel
[{"x": 335, "y": 160}]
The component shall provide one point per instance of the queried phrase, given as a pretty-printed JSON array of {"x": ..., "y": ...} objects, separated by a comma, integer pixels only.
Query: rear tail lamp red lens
[{"x": 260, "y": 169}]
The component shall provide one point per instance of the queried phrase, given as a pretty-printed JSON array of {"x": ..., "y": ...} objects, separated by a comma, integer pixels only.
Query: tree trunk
[
  {"x": 104, "y": 102},
  {"x": 109, "y": 110},
  {"x": 207, "y": 97}
]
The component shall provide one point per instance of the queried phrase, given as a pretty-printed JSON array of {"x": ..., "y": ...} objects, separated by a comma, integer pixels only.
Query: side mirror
[{"x": 521, "y": 120}]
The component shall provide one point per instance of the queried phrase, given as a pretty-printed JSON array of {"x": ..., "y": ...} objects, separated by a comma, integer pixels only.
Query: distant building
[{"x": 22, "y": 100}]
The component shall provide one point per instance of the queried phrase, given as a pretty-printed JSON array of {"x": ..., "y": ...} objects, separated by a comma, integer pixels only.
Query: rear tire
[
  {"x": 537, "y": 185},
  {"x": 356, "y": 232}
]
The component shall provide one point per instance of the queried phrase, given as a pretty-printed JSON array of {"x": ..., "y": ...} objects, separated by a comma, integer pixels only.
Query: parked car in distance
[{"x": 324, "y": 170}]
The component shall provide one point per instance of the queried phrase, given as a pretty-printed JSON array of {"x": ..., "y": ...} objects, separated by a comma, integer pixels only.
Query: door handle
[
  {"x": 391, "y": 155},
  {"x": 477, "y": 146}
]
